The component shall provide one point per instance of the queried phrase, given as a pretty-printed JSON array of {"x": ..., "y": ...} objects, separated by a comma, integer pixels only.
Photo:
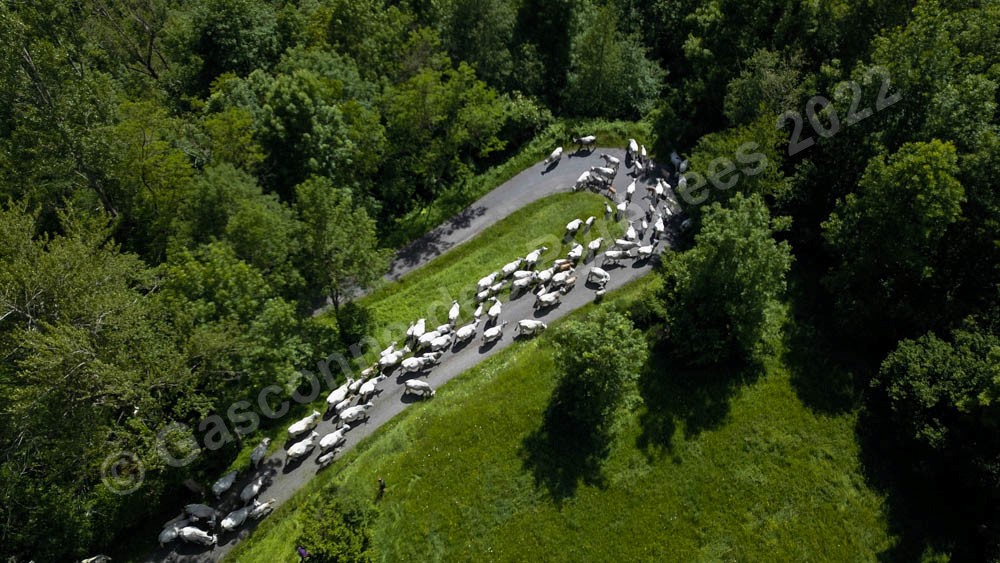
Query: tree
[
  {"x": 886, "y": 240},
  {"x": 341, "y": 253},
  {"x": 769, "y": 84},
  {"x": 219, "y": 36},
  {"x": 338, "y": 529},
  {"x": 721, "y": 297},
  {"x": 610, "y": 76},
  {"x": 599, "y": 361},
  {"x": 480, "y": 32},
  {"x": 941, "y": 398},
  {"x": 87, "y": 371},
  {"x": 438, "y": 123}
]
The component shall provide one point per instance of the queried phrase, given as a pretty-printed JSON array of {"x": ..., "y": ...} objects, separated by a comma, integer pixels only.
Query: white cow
[
  {"x": 630, "y": 233},
  {"x": 545, "y": 275},
  {"x": 262, "y": 509},
  {"x": 302, "y": 448},
  {"x": 521, "y": 285},
  {"x": 554, "y": 157},
  {"x": 304, "y": 425},
  {"x": 633, "y": 148},
  {"x": 630, "y": 190},
  {"x": 575, "y": 253},
  {"x": 530, "y": 327},
  {"x": 595, "y": 244},
  {"x": 453, "y": 312},
  {"x": 392, "y": 360},
  {"x": 573, "y": 226},
  {"x": 589, "y": 222},
  {"x": 416, "y": 329},
  {"x": 582, "y": 181},
  {"x": 339, "y": 407},
  {"x": 532, "y": 258},
  {"x": 622, "y": 208},
  {"x": 200, "y": 511},
  {"x": 338, "y": 394},
  {"x": 171, "y": 531},
  {"x": 644, "y": 252},
  {"x": 478, "y": 313},
  {"x": 495, "y": 310},
  {"x": 510, "y": 267},
  {"x": 615, "y": 256},
  {"x": 259, "y": 452},
  {"x": 441, "y": 343},
  {"x": 560, "y": 278},
  {"x": 607, "y": 210},
  {"x": 418, "y": 387},
  {"x": 547, "y": 299},
  {"x": 598, "y": 276},
  {"x": 611, "y": 161},
  {"x": 604, "y": 171},
  {"x": 369, "y": 388},
  {"x": 191, "y": 534},
  {"x": 224, "y": 483},
  {"x": 466, "y": 332},
  {"x": 236, "y": 518},
  {"x": 494, "y": 333},
  {"x": 389, "y": 350},
  {"x": 334, "y": 439},
  {"x": 327, "y": 458},
  {"x": 355, "y": 413},
  {"x": 487, "y": 281},
  {"x": 623, "y": 244},
  {"x": 521, "y": 274},
  {"x": 585, "y": 141},
  {"x": 253, "y": 488}
]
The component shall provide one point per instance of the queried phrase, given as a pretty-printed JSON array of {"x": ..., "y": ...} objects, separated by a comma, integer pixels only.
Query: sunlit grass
[{"x": 770, "y": 480}]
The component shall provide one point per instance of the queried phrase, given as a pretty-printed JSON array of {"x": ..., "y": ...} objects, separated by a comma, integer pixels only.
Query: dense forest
[{"x": 182, "y": 182}]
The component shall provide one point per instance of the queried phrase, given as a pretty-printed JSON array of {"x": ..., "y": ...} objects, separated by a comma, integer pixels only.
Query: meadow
[{"x": 745, "y": 473}]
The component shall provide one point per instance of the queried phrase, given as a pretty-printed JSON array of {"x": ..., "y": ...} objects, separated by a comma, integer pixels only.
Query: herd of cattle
[{"x": 424, "y": 347}]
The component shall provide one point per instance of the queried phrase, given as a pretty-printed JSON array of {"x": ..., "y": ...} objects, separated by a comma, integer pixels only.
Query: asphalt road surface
[{"x": 530, "y": 185}]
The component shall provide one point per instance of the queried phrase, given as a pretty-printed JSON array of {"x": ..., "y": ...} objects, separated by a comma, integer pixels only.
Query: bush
[{"x": 338, "y": 529}]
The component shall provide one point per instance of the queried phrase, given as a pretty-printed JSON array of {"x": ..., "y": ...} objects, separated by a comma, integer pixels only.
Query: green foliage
[
  {"x": 610, "y": 76},
  {"x": 720, "y": 298},
  {"x": 338, "y": 529},
  {"x": 88, "y": 371},
  {"x": 220, "y": 36},
  {"x": 599, "y": 361},
  {"x": 943, "y": 393},
  {"x": 768, "y": 86},
  {"x": 340, "y": 249},
  {"x": 887, "y": 236},
  {"x": 438, "y": 123}
]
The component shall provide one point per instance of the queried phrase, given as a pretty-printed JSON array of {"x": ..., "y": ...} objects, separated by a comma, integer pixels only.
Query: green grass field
[{"x": 747, "y": 475}]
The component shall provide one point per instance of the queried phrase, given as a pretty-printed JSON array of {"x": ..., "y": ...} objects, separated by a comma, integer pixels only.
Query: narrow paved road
[{"x": 530, "y": 185}]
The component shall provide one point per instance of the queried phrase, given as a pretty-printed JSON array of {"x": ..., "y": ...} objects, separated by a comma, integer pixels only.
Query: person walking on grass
[{"x": 381, "y": 488}]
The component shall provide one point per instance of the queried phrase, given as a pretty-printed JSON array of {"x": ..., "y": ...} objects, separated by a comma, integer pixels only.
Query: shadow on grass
[
  {"x": 934, "y": 510},
  {"x": 680, "y": 396},
  {"x": 565, "y": 451},
  {"x": 823, "y": 380}
]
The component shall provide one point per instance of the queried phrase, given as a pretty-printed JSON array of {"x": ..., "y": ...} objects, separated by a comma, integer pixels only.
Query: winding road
[{"x": 532, "y": 184}]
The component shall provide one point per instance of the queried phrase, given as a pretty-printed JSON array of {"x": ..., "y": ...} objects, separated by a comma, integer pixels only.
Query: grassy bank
[
  {"x": 749, "y": 474},
  {"x": 428, "y": 291}
]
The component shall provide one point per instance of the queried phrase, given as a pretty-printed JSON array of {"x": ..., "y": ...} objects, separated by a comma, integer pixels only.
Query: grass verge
[{"x": 769, "y": 479}]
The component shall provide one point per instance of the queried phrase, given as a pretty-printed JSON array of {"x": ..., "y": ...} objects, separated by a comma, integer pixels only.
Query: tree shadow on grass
[
  {"x": 565, "y": 451},
  {"x": 823, "y": 380},
  {"x": 695, "y": 398}
]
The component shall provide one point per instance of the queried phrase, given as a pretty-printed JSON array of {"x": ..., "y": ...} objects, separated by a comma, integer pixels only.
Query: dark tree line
[{"x": 180, "y": 180}]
